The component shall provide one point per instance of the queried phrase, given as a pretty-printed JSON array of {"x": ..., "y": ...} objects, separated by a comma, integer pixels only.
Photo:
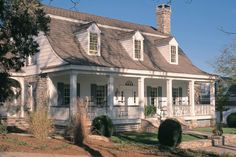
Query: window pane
[
  {"x": 153, "y": 95},
  {"x": 93, "y": 43},
  {"x": 173, "y": 54},
  {"x": 137, "y": 49},
  {"x": 67, "y": 94},
  {"x": 101, "y": 95}
]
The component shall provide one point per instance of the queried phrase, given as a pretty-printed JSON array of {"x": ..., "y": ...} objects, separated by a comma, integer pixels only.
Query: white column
[
  {"x": 22, "y": 83},
  {"x": 212, "y": 96},
  {"x": 191, "y": 97},
  {"x": 73, "y": 93},
  {"x": 169, "y": 97},
  {"x": 141, "y": 95},
  {"x": 110, "y": 94}
]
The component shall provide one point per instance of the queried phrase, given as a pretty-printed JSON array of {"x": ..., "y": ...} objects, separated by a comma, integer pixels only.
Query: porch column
[
  {"x": 110, "y": 94},
  {"x": 73, "y": 93},
  {"x": 22, "y": 83},
  {"x": 212, "y": 96},
  {"x": 191, "y": 97},
  {"x": 141, "y": 95},
  {"x": 169, "y": 97}
]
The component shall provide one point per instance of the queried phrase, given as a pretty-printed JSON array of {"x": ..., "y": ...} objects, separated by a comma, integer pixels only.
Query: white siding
[
  {"x": 46, "y": 57},
  {"x": 128, "y": 45},
  {"x": 83, "y": 40},
  {"x": 165, "y": 52}
]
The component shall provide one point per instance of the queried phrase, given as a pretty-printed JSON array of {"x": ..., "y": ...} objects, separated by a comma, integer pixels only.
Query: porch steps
[{"x": 19, "y": 123}]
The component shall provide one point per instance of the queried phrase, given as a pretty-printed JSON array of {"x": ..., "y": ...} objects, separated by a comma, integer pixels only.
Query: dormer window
[
  {"x": 93, "y": 43},
  {"x": 138, "y": 46},
  {"x": 173, "y": 54},
  {"x": 89, "y": 37},
  {"x": 137, "y": 49}
]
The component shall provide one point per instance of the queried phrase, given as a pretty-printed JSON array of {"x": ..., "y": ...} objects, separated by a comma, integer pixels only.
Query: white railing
[
  {"x": 204, "y": 110},
  {"x": 126, "y": 112},
  {"x": 94, "y": 111},
  {"x": 181, "y": 110},
  {"x": 60, "y": 112}
]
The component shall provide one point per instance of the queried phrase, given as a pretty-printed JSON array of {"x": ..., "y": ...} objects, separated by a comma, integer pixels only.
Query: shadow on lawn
[
  {"x": 91, "y": 151},
  {"x": 145, "y": 138}
]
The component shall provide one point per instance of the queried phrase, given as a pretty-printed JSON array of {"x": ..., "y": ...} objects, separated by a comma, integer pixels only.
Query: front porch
[{"x": 123, "y": 98}]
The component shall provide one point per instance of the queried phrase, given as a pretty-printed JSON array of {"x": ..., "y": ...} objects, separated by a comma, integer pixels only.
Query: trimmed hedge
[
  {"x": 170, "y": 133},
  {"x": 231, "y": 120},
  {"x": 102, "y": 125}
]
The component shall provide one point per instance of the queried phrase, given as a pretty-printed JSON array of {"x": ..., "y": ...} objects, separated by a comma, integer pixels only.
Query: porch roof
[{"x": 63, "y": 40}]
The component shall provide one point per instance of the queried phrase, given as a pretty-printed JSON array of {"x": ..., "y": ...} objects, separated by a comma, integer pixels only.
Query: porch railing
[
  {"x": 60, "y": 112},
  {"x": 181, "y": 110},
  {"x": 204, "y": 110},
  {"x": 94, "y": 111},
  {"x": 124, "y": 112}
]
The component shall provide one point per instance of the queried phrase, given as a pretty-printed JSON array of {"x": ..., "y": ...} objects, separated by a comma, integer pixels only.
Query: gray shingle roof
[{"x": 64, "y": 42}]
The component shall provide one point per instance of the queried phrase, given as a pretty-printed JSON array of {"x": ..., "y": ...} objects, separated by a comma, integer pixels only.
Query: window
[
  {"x": 129, "y": 83},
  {"x": 67, "y": 94},
  {"x": 137, "y": 49},
  {"x": 173, "y": 54},
  {"x": 205, "y": 94},
  {"x": 64, "y": 93},
  {"x": 93, "y": 43},
  {"x": 153, "y": 96},
  {"x": 122, "y": 96},
  {"x": 99, "y": 94},
  {"x": 177, "y": 93},
  {"x": 135, "y": 95}
]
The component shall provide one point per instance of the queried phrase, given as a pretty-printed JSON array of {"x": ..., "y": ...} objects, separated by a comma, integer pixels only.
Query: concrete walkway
[
  {"x": 18, "y": 154},
  {"x": 222, "y": 149}
]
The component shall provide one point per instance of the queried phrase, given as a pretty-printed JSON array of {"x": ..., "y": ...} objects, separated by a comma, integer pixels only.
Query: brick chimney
[{"x": 163, "y": 14}]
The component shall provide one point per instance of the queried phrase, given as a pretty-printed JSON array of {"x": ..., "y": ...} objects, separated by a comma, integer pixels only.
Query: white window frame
[
  {"x": 176, "y": 54},
  {"x": 94, "y": 29},
  {"x": 98, "y": 44},
  {"x": 138, "y": 36}
]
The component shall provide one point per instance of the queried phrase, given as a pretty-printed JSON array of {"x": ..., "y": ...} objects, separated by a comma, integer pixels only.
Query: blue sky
[{"x": 195, "y": 25}]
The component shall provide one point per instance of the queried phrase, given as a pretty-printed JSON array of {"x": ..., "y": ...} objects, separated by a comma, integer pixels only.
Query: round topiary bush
[
  {"x": 102, "y": 125},
  {"x": 231, "y": 120},
  {"x": 170, "y": 133}
]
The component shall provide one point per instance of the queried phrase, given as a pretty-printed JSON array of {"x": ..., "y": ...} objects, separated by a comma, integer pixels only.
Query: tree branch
[{"x": 226, "y": 32}]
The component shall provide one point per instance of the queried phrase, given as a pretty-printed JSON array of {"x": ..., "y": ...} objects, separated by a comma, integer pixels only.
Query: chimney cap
[{"x": 164, "y": 6}]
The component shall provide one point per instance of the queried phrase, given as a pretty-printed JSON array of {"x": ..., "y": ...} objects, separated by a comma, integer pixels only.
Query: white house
[{"x": 119, "y": 67}]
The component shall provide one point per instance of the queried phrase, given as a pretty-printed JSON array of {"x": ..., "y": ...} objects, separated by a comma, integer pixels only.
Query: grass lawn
[
  {"x": 209, "y": 130},
  {"x": 144, "y": 138}
]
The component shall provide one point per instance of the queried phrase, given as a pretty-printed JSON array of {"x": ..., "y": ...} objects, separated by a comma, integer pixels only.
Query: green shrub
[
  {"x": 150, "y": 110},
  {"x": 102, "y": 125},
  {"x": 231, "y": 120},
  {"x": 3, "y": 129},
  {"x": 170, "y": 133}
]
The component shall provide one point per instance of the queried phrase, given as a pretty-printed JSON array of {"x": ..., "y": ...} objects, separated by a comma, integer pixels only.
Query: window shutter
[
  {"x": 93, "y": 93},
  {"x": 180, "y": 92},
  {"x": 78, "y": 90},
  {"x": 149, "y": 88},
  {"x": 159, "y": 91},
  {"x": 60, "y": 91},
  {"x": 106, "y": 93}
]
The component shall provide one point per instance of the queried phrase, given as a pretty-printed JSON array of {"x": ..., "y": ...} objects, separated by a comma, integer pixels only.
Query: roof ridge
[{"x": 99, "y": 16}]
